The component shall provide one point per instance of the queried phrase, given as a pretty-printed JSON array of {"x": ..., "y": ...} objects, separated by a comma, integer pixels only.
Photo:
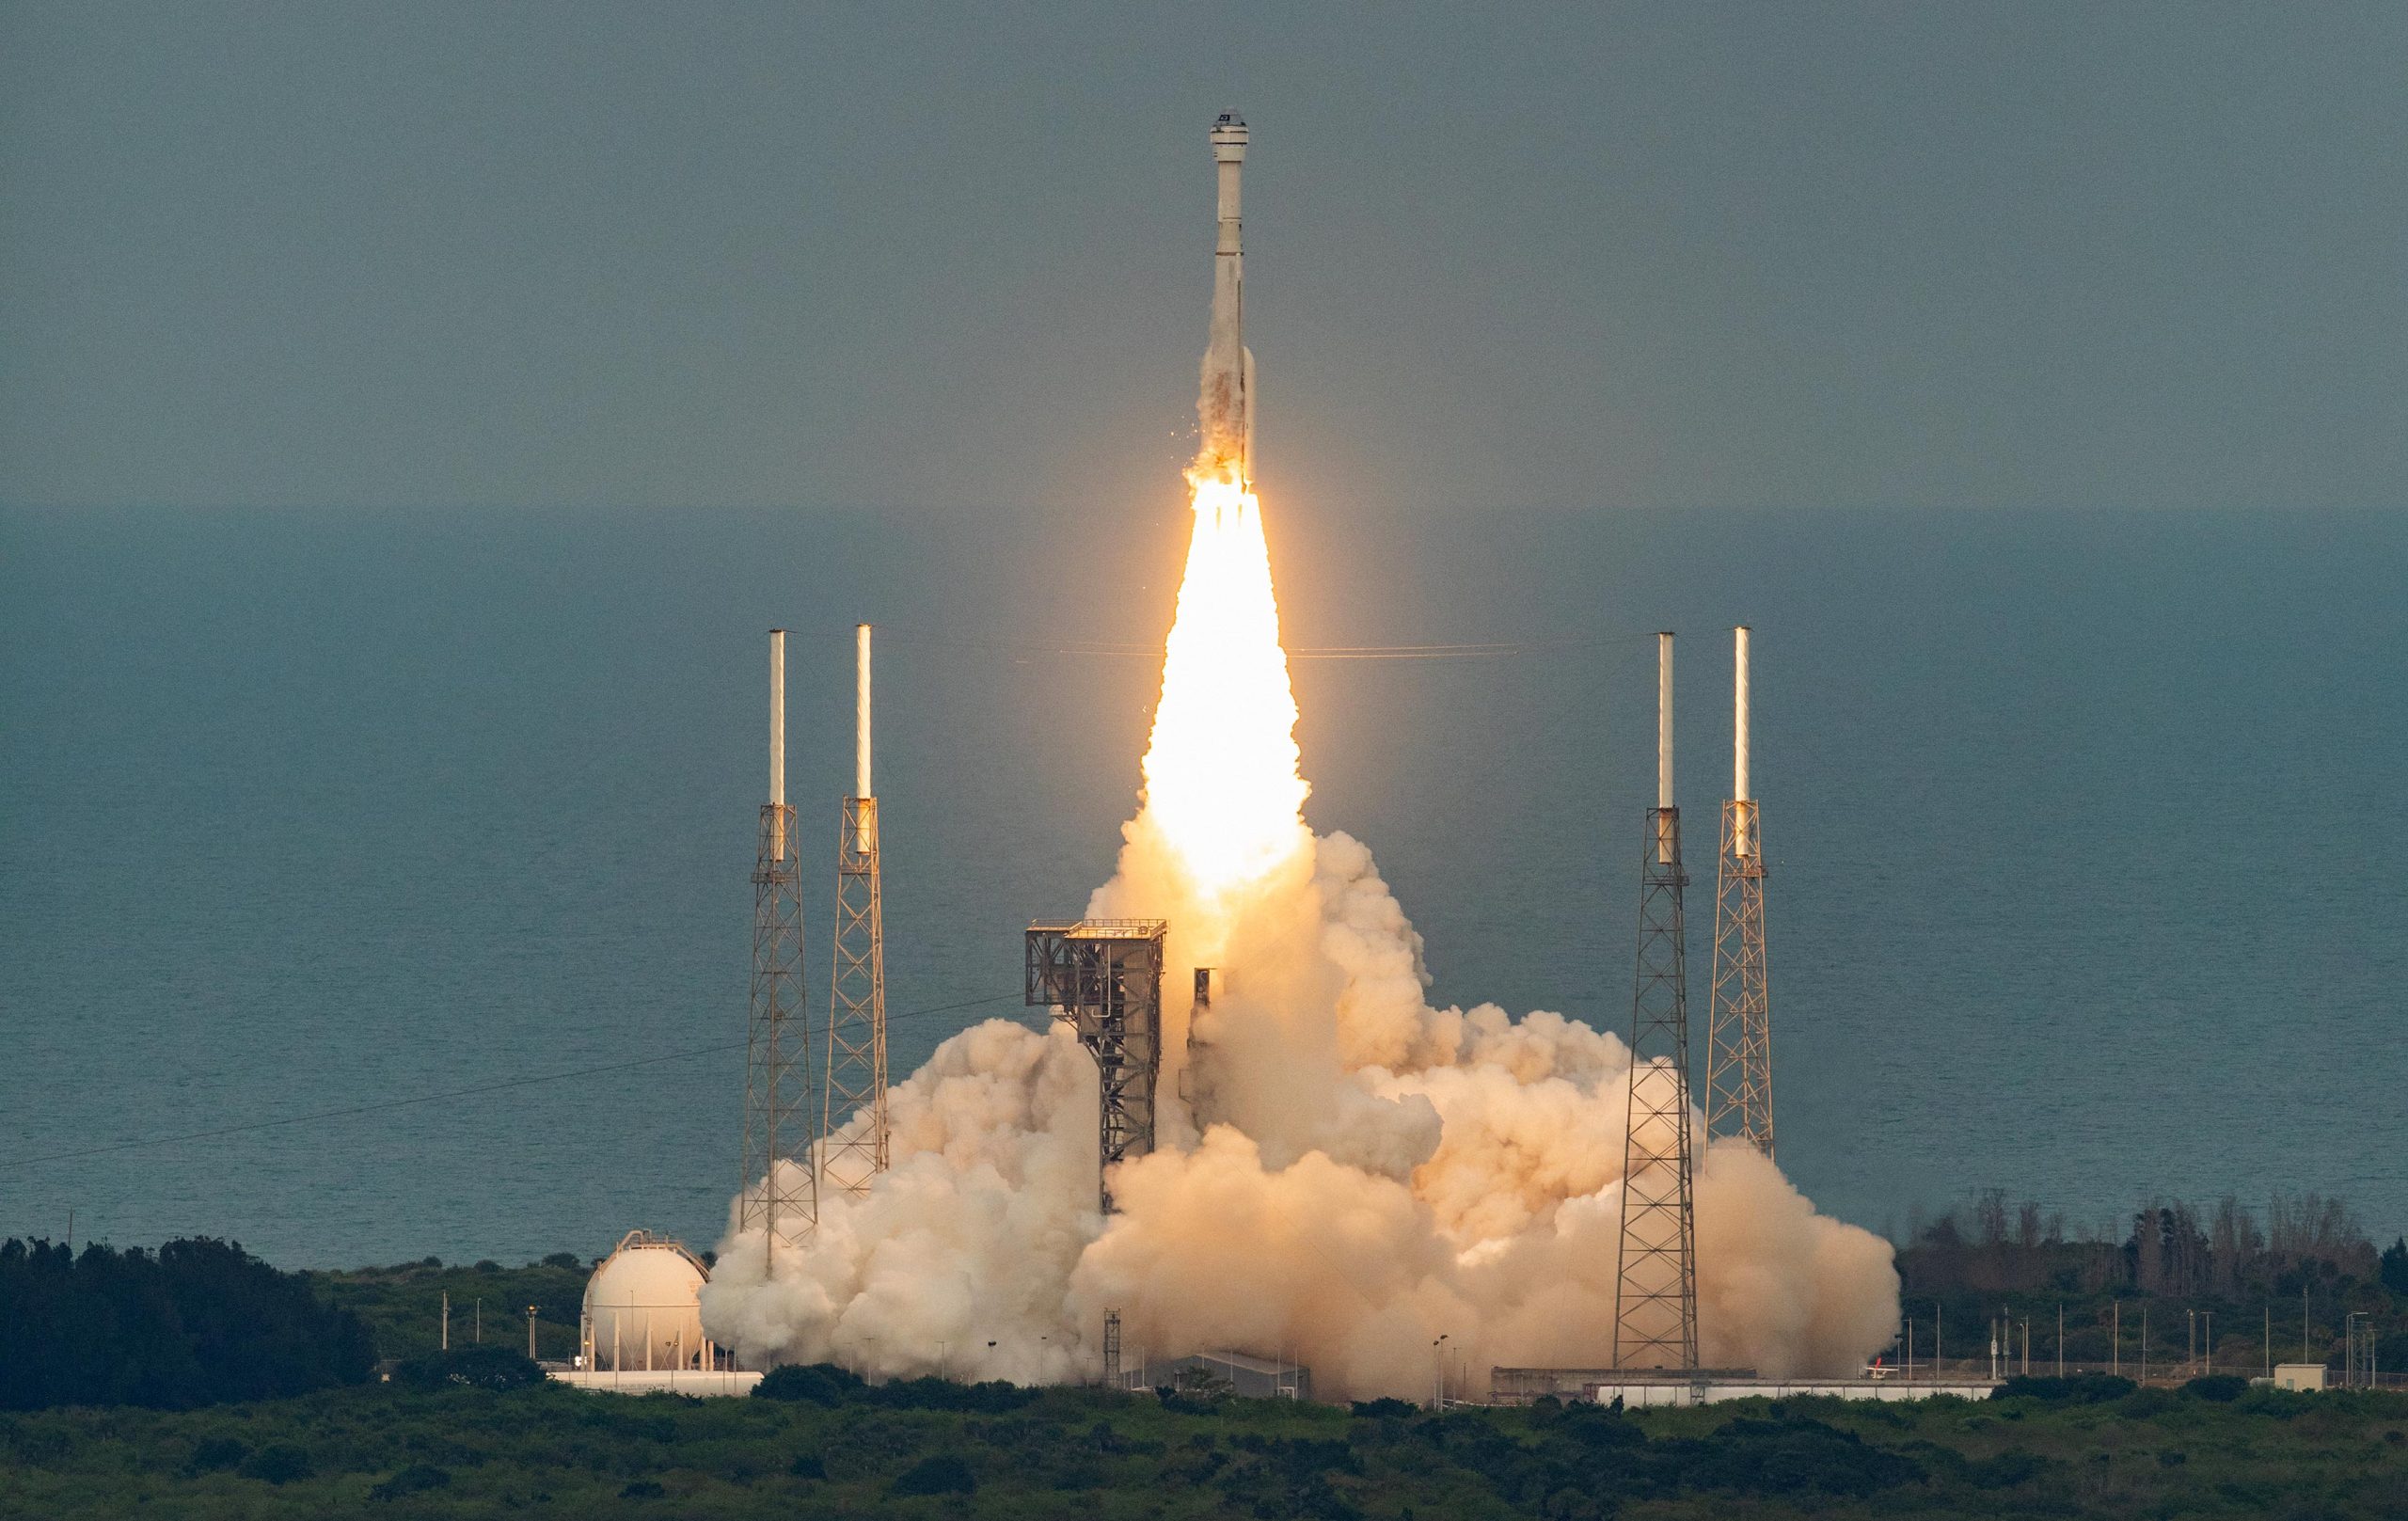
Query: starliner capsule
[{"x": 1228, "y": 407}]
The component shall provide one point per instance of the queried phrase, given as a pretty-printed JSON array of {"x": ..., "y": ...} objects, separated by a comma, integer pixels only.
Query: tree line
[
  {"x": 198, "y": 1321},
  {"x": 2226, "y": 1250}
]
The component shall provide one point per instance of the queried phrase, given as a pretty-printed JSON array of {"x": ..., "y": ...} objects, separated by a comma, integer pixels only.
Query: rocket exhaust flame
[
  {"x": 1222, "y": 771},
  {"x": 1357, "y": 1173}
]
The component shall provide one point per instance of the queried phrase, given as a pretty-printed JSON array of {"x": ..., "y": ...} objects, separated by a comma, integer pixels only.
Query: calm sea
[{"x": 2085, "y": 831}]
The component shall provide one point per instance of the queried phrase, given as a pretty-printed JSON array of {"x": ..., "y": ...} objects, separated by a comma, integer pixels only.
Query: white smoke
[{"x": 1368, "y": 1173}]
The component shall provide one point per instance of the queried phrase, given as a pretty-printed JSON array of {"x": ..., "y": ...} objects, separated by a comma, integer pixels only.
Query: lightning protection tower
[
  {"x": 1103, "y": 977},
  {"x": 1738, "y": 1040},
  {"x": 1656, "y": 1262},
  {"x": 780, "y": 1193},
  {"x": 852, "y": 1122}
]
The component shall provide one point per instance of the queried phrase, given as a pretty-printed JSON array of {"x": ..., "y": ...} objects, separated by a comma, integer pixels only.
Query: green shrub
[
  {"x": 810, "y": 1383},
  {"x": 2082, "y": 1389},
  {"x": 1383, "y": 1408},
  {"x": 491, "y": 1366},
  {"x": 415, "y": 1480},
  {"x": 2142, "y": 1404},
  {"x": 2221, "y": 1387},
  {"x": 277, "y": 1465},
  {"x": 943, "y": 1474},
  {"x": 2008, "y": 1469},
  {"x": 214, "y": 1453},
  {"x": 641, "y": 1489},
  {"x": 808, "y": 1465}
]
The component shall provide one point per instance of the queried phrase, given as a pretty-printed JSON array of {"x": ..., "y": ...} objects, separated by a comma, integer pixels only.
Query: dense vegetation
[
  {"x": 439, "y": 1442},
  {"x": 195, "y": 1323}
]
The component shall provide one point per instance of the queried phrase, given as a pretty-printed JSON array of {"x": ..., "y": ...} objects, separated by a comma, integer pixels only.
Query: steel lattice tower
[
  {"x": 1739, "y": 1042},
  {"x": 1655, "y": 1261},
  {"x": 779, "y": 1192},
  {"x": 1103, "y": 977},
  {"x": 854, "y": 1145}
]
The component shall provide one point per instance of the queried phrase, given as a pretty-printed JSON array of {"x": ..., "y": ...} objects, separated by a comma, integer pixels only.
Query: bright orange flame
[{"x": 1222, "y": 780}]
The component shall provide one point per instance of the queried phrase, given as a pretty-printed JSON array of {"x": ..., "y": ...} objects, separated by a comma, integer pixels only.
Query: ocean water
[{"x": 2085, "y": 831}]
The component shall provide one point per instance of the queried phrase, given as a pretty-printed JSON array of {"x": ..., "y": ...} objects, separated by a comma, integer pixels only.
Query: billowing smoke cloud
[{"x": 1357, "y": 1174}]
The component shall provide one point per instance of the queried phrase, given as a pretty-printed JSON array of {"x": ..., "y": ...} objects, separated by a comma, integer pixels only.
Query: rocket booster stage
[{"x": 1226, "y": 409}]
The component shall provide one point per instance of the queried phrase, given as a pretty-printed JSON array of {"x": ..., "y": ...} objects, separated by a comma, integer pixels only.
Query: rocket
[{"x": 1225, "y": 407}]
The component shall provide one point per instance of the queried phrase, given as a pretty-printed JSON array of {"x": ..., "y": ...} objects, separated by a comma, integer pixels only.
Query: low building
[
  {"x": 2298, "y": 1377},
  {"x": 1238, "y": 1373},
  {"x": 1637, "y": 1390}
]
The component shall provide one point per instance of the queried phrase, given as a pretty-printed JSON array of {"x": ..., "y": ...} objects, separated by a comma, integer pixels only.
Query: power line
[{"x": 449, "y": 1093}]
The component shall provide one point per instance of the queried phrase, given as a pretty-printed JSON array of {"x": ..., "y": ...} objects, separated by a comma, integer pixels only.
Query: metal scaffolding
[
  {"x": 1656, "y": 1260},
  {"x": 856, "y": 1086},
  {"x": 1739, "y": 1042},
  {"x": 857, "y": 1012},
  {"x": 780, "y": 1193},
  {"x": 1111, "y": 1349},
  {"x": 1103, "y": 977}
]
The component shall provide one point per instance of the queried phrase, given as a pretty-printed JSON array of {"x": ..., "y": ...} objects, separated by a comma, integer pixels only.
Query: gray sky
[{"x": 958, "y": 258}]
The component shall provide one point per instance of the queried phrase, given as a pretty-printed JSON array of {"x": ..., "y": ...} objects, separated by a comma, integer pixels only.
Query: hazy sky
[{"x": 959, "y": 256}]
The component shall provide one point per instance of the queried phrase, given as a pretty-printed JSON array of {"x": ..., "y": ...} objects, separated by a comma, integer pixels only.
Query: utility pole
[
  {"x": 2144, "y": 1342},
  {"x": 447, "y": 1320},
  {"x": 2303, "y": 1315},
  {"x": 1438, "y": 1373},
  {"x": 481, "y": 1321},
  {"x": 2061, "y": 1339},
  {"x": 2115, "y": 1346},
  {"x": 530, "y": 1333}
]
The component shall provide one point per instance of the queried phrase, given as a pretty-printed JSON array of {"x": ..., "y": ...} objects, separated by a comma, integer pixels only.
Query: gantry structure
[
  {"x": 1103, "y": 977},
  {"x": 1739, "y": 1044},
  {"x": 1656, "y": 1258},
  {"x": 853, "y": 1135},
  {"x": 780, "y": 1193}
]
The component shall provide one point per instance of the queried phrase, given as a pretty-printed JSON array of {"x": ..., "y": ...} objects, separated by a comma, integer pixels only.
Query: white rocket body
[{"x": 1225, "y": 407}]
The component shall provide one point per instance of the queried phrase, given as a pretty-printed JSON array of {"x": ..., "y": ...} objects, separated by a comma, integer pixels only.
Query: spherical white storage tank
[{"x": 643, "y": 1307}]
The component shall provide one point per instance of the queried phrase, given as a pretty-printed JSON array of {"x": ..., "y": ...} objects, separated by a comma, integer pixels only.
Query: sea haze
[{"x": 2085, "y": 831}]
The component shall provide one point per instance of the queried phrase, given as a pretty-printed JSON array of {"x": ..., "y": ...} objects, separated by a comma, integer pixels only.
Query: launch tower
[
  {"x": 1655, "y": 1261},
  {"x": 781, "y": 1189},
  {"x": 1738, "y": 1041},
  {"x": 1103, "y": 977},
  {"x": 856, "y": 1086}
]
